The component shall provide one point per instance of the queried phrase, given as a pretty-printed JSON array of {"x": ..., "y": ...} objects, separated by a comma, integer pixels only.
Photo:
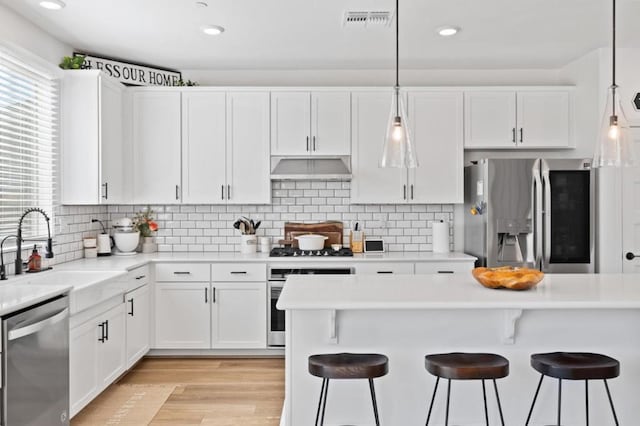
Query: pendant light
[
  {"x": 398, "y": 147},
  {"x": 613, "y": 147}
]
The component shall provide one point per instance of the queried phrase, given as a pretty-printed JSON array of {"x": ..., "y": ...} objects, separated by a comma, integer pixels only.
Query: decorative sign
[
  {"x": 636, "y": 101},
  {"x": 132, "y": 74}
]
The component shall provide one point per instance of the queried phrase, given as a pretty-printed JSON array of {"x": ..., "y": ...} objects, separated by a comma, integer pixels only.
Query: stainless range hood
[{"x": 327, "y": 168}]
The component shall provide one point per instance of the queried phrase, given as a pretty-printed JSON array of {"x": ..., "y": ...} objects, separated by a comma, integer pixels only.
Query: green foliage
[
  {"x": 72, "y": 62},
  {"x": 181, "y": 82}
]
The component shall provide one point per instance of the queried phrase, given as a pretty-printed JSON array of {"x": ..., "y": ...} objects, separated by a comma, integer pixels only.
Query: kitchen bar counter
[{"x": 409, "y": 316}]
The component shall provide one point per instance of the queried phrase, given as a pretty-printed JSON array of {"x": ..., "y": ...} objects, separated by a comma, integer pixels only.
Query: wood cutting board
[{"x": 333, "y": 230}]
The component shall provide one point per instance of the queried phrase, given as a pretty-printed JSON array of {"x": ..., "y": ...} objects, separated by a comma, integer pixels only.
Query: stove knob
[
  {"x": 326, "y": 253},
  {"x": 295, "y": 253}
]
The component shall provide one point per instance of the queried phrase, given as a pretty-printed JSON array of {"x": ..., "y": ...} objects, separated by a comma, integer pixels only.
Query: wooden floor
[{"x": 220, "y": 392}]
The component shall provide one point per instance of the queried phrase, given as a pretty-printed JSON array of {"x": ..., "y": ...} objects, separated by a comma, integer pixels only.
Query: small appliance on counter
[
  {"x": 104, "y": 242},
  {"x": 125, "y": 237}
]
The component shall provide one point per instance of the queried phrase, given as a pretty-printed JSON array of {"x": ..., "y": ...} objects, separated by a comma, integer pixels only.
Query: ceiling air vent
[{"x": 378, "y": 18}]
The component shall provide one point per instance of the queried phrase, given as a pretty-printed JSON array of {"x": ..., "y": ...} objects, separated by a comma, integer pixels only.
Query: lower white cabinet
[
  {"x": 137, "y": 321},
  {"x": 239, "y": 315},
  {"x": 183, "y": 316},
  {"x": 96, "y": 356}
]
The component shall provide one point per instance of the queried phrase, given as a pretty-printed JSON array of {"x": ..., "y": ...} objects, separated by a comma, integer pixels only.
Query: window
[{"x": 28, "y": 131}]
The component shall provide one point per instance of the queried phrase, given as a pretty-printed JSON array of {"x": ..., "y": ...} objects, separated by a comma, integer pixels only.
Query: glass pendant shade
[
  {"x": 398, "y": 150},
  {"x": 614, "y": 145}
]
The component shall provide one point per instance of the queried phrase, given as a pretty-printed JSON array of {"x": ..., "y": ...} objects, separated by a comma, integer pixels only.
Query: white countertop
[
  {"x": 458, "y": 291},
  {"x": 17, "y": 295}
]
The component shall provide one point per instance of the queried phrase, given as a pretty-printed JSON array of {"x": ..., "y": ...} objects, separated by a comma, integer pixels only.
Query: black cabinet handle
[
  {"x": 521, "y": 134},
  {"x": 131, "y": 301},
  {"x": 385, "y": 272},
  {"x": 445, "y": 272},
  {"x": 314, "y": 143},
  {"x": 181, "y": 273},
  {"x": 631, "y": 256},
  {"x": 206, "y": 295},
  {"x": 412, "y": 191},
  {"x": 177, "y": 192},
  {"x": 228, "y": 192},
  {"x": 106, "y": 327},
  {"x": 307, "y": 143},
  {"x": 404, "y": 192},
  {"x": 238, "y": 272},
  {"x": 101, "y": 339},
  {"x": 106, "y": 190},
  {"x": 214, "y": 295},
  {"x": 222, "y": 191},
  {"x": 139, "y": 277}
]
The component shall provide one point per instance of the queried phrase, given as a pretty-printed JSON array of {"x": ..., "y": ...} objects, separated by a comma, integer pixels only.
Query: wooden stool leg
[
  {"x": 373, "y": 400},
  {"x": 484, "y": 398},
  {"x": 446, "y": 415},
  {"x": 586, "y": 399},
  {"x": 535, "y": 397},
  {"x": 495, "y": 388},
  {"x": 613, "y": 410},
  {"x": 324, "y": 381},
  {"x": 559, "y": 401},
  {"x": 433, "y": 398},
  {"x": 324, "y": 402}
]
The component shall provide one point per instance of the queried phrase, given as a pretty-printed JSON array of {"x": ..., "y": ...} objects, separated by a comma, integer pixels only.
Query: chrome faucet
[{"x": 49, "y": 253}]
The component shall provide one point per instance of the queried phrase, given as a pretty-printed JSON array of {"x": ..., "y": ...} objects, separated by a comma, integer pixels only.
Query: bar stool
[
  {"x": 467, "y": 366},
  {"x": 575, "y": 366},
  {"x": 347, "y": 366}
]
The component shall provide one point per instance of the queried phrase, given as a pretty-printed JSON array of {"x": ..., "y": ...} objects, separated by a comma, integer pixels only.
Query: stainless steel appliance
[
  {"x": 277, "y": 276},
  {"x": 296, "y": 252},
  {"x": 531, "y": 212},
  {"x": 35, "y": 365}
]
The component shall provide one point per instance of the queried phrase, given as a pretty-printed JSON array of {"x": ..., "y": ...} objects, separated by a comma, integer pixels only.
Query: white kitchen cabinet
[
  {"x": 239, "y": 315},
  {"x": 137, "y": 322},
  {"x": 203, "y": 147},
  {"x": 371, "y": 184},
  {"x": 248, "y": 165},
  {"x": 96, "y": 355},
  {"x": 436, "y": 120},
  {"x": 92, "y": 153},
  {"x": 310, "y": 123},
  {"x": 532, "y": 118},
  {"x": 156, "y": 135},
  {"x": 182, "y": 315}
]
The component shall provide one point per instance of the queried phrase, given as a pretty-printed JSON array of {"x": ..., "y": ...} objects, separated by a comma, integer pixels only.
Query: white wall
[{"x": 16, "y": 30}]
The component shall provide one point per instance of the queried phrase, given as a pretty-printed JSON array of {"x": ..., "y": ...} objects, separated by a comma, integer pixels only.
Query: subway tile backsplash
[{"x": 200, "y": 228}]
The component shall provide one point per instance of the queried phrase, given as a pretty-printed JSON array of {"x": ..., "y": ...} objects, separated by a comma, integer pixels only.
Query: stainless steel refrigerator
[{"x": 530, "y": 212}]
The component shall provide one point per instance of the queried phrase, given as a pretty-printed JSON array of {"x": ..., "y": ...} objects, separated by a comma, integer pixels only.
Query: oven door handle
[
  {"x": 546, "y": 215},
  {"x": 38, "y": 326}
]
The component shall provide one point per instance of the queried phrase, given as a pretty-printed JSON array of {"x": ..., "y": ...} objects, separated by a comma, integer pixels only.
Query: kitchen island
[{"x": 408, "y": 316}]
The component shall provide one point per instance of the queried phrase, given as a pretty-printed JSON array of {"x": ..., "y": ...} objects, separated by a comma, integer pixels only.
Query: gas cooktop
[{"x": 295, "y": 252}]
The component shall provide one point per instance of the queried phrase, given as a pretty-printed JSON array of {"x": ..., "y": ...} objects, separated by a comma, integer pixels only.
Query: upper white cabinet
[
  {"x": 370, "y": 183},
  {"x": 436, "y": 120},
  {"x": 225, "y": 147},
  {"x": 92, "y": 139},
  {"x": 532, "y": 118},
  {"x": 156, "y": 135},
  {"x": 310, "y": 123}
]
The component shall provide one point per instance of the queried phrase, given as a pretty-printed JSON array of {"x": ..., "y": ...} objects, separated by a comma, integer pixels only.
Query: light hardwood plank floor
[{"x": 220, "y": 392}]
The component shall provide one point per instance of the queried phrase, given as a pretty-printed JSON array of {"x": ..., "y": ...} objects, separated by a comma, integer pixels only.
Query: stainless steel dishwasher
[{"x": 35, "y": 365}]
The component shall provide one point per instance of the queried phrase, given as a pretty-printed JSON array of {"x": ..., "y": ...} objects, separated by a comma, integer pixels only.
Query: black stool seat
[
  {"x": 467, "y": 366},
  {"x": 348, "y": 366},
  {"x": 576, "y": 365}
]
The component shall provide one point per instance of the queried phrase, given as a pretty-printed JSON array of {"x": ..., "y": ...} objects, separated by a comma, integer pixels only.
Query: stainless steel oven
[{"x": 277, "y": 277}]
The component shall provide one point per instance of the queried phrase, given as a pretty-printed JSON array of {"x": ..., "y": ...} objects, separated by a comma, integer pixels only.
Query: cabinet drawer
[
  {"x": 138, "y": 277},
  {"x": 239, "y": 272},
  {"x": 384, "y": 268},
  {"x": 444, "y": 267},
  {"x": 178, "y": 272}
]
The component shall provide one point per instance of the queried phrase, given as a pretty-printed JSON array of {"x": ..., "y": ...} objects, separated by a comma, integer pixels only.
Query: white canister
[
  {"x": 440, "y": 237},
  {"x": 265, "y": 244},
  {"x": 248, "y": 243}
]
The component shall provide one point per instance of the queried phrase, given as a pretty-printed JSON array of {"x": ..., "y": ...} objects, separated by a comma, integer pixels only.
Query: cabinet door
[
  {"x": 239, "y": 315},
  {"x": 331, "y": 123},
  {"x": 183, "y": 317},
  {"x": 112, "y": 142},
  {"x": 490, "y": 119},
  {"x": 290, "y": 123},
  {"x": 370, "y": 113},
  {"x": 156, "y": 147},
  {"x": 437, "y": 123},
  {"x": 83, "y": 362},
  {"x": 203, "y": 147},
  {"x": 111, "y": 353},
  {"x": 248, "y": 162},
  {"x": 137, "y": 309},
  {"x": 544, "y": 119}
]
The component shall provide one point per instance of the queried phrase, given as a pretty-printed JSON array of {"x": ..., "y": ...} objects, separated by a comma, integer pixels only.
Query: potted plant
[
  {"x": 147, "y": 226},
  {"x": 248, "y": 239}
]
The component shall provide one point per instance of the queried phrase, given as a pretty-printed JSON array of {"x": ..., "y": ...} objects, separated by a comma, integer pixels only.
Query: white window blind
[{"x": 28, "y": 131}]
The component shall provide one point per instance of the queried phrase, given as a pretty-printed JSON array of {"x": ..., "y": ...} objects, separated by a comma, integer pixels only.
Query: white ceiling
[{"x": 308, "y": 34}]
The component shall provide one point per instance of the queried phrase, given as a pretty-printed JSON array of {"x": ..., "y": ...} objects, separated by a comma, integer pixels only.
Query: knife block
[{"x": 356, "y": 241}]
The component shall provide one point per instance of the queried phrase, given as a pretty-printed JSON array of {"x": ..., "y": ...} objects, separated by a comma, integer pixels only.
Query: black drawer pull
[
  {"x": 385, "y": 272},
  {"x": 445, "y": 272},
  {"x": 139, "y": 277},
  {"x": 182, "y": 273},
  {"x": 106, "y": 327},
  {"x": 101, "y": 339},
  {"x": 131, "y": 301},
  {"x": 238, "y": 272}
]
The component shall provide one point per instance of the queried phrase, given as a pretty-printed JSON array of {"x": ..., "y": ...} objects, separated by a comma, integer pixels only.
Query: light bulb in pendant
[
  {"x": 614, "y": 129},
  {"x": 398, "y": 132}
]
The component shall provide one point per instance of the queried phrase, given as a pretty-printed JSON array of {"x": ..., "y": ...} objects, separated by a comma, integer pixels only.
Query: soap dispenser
[{"x": 35, "y": 261}]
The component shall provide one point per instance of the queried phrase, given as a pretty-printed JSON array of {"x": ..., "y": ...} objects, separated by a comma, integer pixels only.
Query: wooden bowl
[{"x": 508, "y": 277}]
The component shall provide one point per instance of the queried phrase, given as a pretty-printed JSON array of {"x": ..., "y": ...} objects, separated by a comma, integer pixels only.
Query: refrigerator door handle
[
  {"x": 537, "y": 218},
  {"x": 546, "y": 214}
]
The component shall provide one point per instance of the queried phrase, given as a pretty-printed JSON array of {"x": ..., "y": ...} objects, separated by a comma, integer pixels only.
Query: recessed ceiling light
[
  {"x": 201, "y": 4},
  {"x": 212, "y": 29},
  {"x": 448, "y": 31},
  {"x": 52, "y": 4}
]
